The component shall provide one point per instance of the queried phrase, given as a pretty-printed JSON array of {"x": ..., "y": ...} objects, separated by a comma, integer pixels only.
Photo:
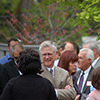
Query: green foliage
[
  {"x": 58, "y": 20},
  {"x": 90, "y": 14}
]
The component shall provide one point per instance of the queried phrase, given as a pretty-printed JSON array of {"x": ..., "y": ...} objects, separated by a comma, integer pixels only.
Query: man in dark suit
[
  {"x": 10, "y": 70},
  {"x": 57, "y": 76},
  {"x": 83, "y": 76}
]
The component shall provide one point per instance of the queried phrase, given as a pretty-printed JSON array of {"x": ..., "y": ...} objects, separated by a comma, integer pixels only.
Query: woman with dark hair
[
  {"x": 68, "y": 61},
  {"x": 95, "y": 78},
  {"x": 29, "y": 85}
]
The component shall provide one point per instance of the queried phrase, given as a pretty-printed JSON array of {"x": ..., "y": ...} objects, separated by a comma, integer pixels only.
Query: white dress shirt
[
  {"x": 18, "y": 70},
  {"x": 56, "y": 62},
  {"x": 86, "y": 72},
  {"x": 52, "y": 70}
]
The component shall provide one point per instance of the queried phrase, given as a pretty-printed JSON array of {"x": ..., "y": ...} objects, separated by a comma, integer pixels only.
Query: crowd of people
[{"x": 67, "y": 73}]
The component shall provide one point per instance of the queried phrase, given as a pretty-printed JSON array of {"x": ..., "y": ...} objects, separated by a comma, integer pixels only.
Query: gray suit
[
  {"x": 61, "y": 79},
  {"x": 86, "y": 89},
  {"x": 97, "y": 64}
]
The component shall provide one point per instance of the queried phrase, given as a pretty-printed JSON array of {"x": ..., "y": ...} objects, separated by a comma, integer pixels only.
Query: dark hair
[
  {"x": 29, "y": 62},
  {"x": 76, "y": 47},
  {"x": 12, "y": 39},
  {"x": 66, "y": 57},
  {"x": 96, "y": 78}
]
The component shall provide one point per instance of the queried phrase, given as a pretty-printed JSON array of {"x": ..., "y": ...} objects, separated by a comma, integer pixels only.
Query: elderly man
[
  {"x": 83, "y": 76},
  {"x": 94, "y": 47},
  {"x": 57, "y": 76}
]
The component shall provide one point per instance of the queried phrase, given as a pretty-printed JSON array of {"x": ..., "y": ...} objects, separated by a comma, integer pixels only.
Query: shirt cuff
[{"x": 56, "y": 93}]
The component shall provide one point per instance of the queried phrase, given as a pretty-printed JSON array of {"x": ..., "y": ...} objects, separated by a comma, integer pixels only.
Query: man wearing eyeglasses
[
  {"x": 10, "y": 70},
  {"x": 57, "y": 76}
]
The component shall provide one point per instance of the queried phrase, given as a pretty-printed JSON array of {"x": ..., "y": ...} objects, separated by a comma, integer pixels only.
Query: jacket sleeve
[{"x": 67, "y": 94}]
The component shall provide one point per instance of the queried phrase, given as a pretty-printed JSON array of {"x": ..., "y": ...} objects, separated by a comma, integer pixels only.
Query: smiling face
[{"x": 48, "y": 56}]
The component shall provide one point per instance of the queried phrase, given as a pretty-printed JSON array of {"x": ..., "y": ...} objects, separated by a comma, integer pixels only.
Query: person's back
[{"x": 30, "y": 87}]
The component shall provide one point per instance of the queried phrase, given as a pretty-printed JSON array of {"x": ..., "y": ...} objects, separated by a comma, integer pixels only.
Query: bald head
[{"x": 69, "y": 46}]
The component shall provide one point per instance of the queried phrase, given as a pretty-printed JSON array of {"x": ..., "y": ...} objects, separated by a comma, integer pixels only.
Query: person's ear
[
  {"x": 94, "y": 51},
  {"x": 89, "y": 61},
  {"x": 60, "y": 50},
  {"x": 57, "y": 55},
  {"x": 75, "y": 51}
]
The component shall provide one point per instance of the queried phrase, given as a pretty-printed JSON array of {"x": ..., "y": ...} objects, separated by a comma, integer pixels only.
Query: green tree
[
  {"x": 89, "y": 14},
  {"x": 47, "y": 19}
]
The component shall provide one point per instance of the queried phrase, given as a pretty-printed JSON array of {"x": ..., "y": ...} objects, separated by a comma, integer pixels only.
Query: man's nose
[{"x": 47, "y": 56}]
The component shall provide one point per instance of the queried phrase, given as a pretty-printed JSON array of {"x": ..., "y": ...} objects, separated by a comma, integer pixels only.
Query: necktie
[
  {"x": 81, "y": 81},
  {"x": 51, "y": 71}
]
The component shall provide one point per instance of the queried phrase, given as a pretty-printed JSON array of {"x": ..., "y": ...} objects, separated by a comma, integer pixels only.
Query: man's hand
[
  {"x": 77, "y": 97},
  {"x": 67, "y": 87}
]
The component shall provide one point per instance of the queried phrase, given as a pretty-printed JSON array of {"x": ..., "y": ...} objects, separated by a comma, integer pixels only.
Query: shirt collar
[
  {"x": 50, "y": 68},
  {"x": 86, "y": 71}
]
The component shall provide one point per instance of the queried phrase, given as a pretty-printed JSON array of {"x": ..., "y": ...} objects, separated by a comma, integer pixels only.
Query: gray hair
[
  {"x": 90, "y": 54},
  {"x": 48, "y": 43},
  {"x": 93, "y": 45}
]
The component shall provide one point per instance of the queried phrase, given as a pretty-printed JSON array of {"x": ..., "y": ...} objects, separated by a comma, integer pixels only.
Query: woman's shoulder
[{"x": 94, "y": 94}]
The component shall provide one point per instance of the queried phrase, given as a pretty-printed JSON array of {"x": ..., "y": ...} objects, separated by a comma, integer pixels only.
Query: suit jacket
[
  {"x": 97, "y": 64},
  {"x": 86, "y": 89},
  {"x": 9, "y": 71},
  {"x": 61, "y": 79}
]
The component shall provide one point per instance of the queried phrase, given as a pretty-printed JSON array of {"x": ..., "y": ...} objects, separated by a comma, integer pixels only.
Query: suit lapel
[
  {"x": 78, "y": 74},
  {"x": 88, "y": 79},
  {"x": 58, "y": 78},
  {"x": 48, "y": 75}
]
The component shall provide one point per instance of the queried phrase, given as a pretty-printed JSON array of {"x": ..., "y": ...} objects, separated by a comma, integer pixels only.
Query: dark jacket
[
  {"x": 1, "y": 69},
  {"x": 9, "y": 71},
  {"x": 86, "y": 89},
  {"x": 29, "y": 87}
]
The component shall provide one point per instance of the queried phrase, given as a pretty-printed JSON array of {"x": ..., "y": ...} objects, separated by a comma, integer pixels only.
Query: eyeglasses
[{"x": 47, "y": 54}]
